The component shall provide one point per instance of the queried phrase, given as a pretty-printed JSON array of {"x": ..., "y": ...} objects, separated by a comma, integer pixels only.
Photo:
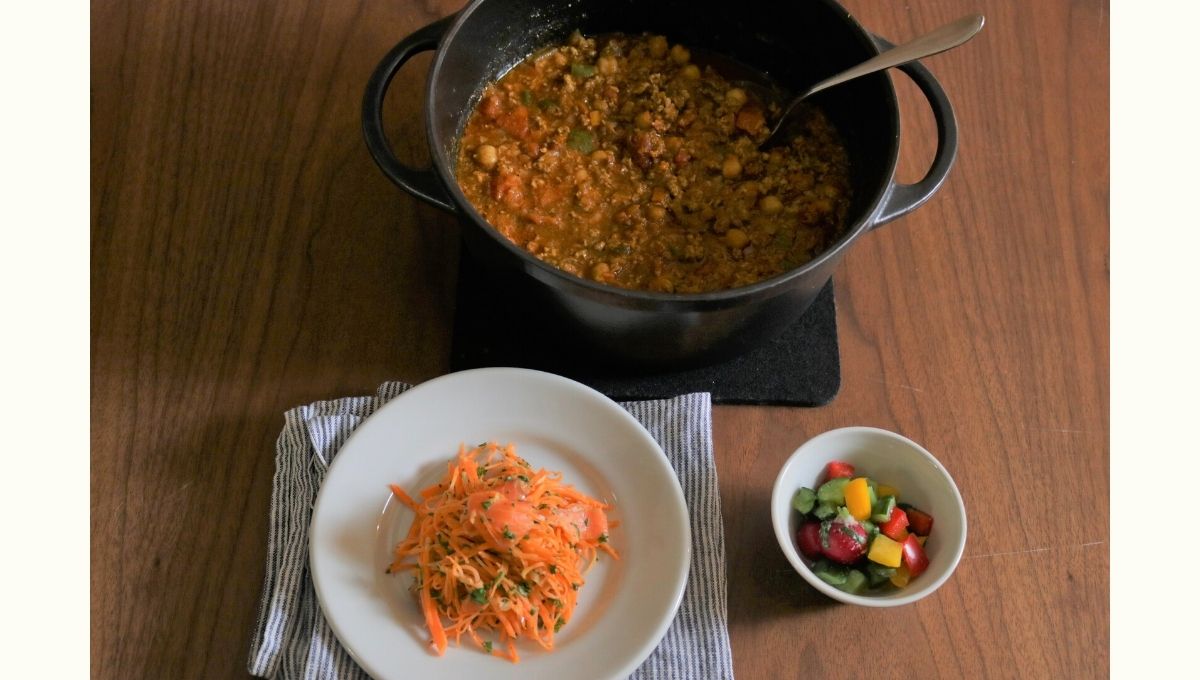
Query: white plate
[{"x": 624, "y": 608}]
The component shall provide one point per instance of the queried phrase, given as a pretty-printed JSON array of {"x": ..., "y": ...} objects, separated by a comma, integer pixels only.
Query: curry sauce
[{"x": 621, "y": 160}]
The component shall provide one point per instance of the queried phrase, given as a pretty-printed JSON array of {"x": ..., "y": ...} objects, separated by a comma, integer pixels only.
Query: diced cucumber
[
  {"x": 833, "y": 491},
  {"x": 871, "y": 528},
  {"x": 855, "y": 583},
  {"x": 804, "y": 500},
  {"x": 833, "y": 574},
  {"x": 825, "y": 510},
  {"x": 872, "y": 491},
  {"x": 877, "y": 574},
  {"x": 881, "y": 511}
]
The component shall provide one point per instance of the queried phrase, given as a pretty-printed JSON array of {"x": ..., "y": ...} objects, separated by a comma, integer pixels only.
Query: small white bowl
[{"x": 890, "y": 459}]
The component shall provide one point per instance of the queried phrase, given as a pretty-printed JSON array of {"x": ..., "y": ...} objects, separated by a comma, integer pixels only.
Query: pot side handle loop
[
  {"x": 904, "y": 198},
  {"x": 420, "y": 182}
]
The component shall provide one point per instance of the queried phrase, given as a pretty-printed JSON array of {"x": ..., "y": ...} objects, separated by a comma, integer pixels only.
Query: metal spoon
[{"x": 939, "y": 40}]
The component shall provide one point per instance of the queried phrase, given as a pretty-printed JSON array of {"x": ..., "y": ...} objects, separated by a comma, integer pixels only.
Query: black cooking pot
[{"x": 797, "y": 43}]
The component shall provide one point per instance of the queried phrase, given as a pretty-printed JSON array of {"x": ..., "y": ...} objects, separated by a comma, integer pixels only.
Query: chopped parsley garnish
[
  {"x": 553, "y": 568},
  {"x": 508, "y": 534},
  {"x": 487, "y": 646},
  {"x": 487, "y": 504},
  {"x": 555, "y": 601},
  {"x": 523, "y": 589},
  {"x": 523, "y": 478},
  {"x": 604, "y": 538},
  {"x": 557, "y": 625},
  {"x": 479, "y": 595},
  {"x": 527, "y": 98},
  {"x": 480, "y": 471}
]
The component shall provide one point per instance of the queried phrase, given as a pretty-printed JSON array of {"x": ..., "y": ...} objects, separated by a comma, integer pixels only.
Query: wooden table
[{"x": 247, "y": 256}]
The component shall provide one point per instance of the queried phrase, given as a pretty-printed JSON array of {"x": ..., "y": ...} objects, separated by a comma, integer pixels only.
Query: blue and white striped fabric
[{"x": 293, "y": 640}]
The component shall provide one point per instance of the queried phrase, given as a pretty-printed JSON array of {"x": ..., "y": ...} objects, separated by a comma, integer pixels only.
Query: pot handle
[
  {"x": 420, "y": 182},
  {"x": 905, "y": 198}
]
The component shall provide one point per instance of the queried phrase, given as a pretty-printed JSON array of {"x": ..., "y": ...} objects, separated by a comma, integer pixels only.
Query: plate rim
[{"x": 651, "y": 643}]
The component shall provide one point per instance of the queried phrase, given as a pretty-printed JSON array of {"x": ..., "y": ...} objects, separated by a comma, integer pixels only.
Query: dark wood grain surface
[{"x": 247, "y": 256}]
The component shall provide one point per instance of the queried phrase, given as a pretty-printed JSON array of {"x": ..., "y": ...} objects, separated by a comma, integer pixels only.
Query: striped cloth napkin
[{"x": 292, "y": 638}]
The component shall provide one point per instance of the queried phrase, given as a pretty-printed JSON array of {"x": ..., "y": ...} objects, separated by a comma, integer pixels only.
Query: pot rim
[{"x": 550, "y": 274}]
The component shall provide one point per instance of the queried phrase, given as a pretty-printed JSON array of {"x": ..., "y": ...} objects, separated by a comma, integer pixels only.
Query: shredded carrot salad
[{"x": 497, "y": 546}]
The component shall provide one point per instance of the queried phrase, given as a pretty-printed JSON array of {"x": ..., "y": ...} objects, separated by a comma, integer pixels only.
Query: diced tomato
[
  {"x": 920, "y": 522},
  {"x": 508, "y": 188},
  {"x": 809, "y": 538},
  {"x": 843, "y": 542},
  {"x": 914, "y": 556},
  {"x": 516, "y": 122},
  {"x": 895, "y": 527},
  {"x": 490, "y": 107},
  {"x": 836, "y": 469}
]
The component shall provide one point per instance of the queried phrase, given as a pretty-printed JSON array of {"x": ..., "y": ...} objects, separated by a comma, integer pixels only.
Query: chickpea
[
  {"x": 642, "y": 120},
  {"x": 581, "y": 175},
  {"x": 771, "y": 205},
  {"x": 594, "y": 118},
  {"x": 690, "y": 72},
  {"x": 658, "y": 46},
  {"x": 680, "y": 55},
  {"x": 599, "y": 155},
  {"x": 829, "y": 190},
  {"x": 731, "y": 168},
  {"x": 486, "y": 156},
  {"x": 736, "y": 239},
  {"x": 607, "y": 65},
  {"x": 600, "y": 271},
  {"x": 658, "y": 195},
  {"x": 735, "y": 98},
  {"x": 657, "y": 213}
]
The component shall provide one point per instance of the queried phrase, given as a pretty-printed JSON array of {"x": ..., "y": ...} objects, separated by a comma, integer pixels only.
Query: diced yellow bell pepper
[
  {"x": 885, "y": 551},
  {"x": 885, "y": 490},
  {"x": 900, "y": 578},
  {"x": 858, "y": 498}
]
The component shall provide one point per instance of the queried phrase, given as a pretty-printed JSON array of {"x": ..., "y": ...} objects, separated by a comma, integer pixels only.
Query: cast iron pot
[{"x": 797, "y": 43}]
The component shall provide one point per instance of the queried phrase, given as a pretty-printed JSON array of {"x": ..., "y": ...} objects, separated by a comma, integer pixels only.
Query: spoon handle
[{"x": 939, "y": 40}]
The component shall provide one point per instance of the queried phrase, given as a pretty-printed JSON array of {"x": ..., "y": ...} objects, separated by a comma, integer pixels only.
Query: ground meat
[{"x": 620, "y": 160}]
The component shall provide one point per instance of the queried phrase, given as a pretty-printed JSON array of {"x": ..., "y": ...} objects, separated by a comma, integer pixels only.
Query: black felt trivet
[{"x": 799, "y": 368}]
